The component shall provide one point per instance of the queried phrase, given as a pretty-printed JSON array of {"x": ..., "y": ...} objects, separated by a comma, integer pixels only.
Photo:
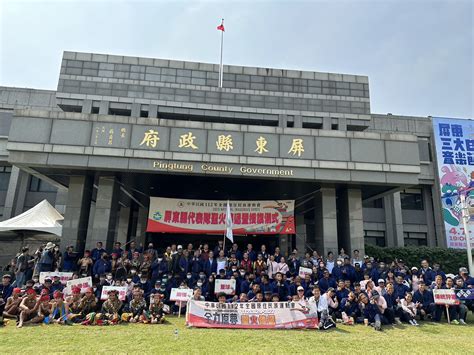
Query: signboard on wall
[
  {"x": 208, "y": 216},
  {"x": 454, "y": 140}
]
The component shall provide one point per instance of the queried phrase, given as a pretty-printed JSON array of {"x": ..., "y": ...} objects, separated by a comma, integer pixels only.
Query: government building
[{"x": 119, "y": 130}]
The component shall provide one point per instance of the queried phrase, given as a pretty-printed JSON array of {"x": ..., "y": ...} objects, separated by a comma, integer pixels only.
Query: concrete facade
[{"x": 90, "y": 138}]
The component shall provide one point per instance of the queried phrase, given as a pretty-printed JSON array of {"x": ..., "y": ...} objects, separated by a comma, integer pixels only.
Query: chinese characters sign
[
  {"x": 122, "y": 292},
  {"x": 454, "y": 140},
  {"x": 225, "y": 286},
  {"x": 181, "y": 294},
  {"x": 252, "y": 315},
  {"x": 445, "y": 297},
  {"x": 208, "y": 216}
]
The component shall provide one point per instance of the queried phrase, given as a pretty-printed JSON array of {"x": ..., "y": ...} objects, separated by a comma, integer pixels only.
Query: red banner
[{"x": 208, "y": 216}]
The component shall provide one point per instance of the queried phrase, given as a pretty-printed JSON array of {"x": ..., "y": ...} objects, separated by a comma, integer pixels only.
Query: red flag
[{"x": 221, "y": 27}]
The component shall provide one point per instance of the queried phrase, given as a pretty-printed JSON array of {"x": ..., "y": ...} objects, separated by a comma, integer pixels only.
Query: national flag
[
  {"x": 228, "y": 224},
  {"x": 221, "y": 26}
]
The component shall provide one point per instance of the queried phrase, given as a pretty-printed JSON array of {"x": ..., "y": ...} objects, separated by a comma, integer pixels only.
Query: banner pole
[
  {"x": 465, "y": 219},
  {"x": 179, "y": 311},
  {"x": 447, "y": 314}
]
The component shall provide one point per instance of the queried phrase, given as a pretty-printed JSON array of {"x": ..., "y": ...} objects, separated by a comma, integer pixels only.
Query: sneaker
[
  {"x": 455, "y": 321},
  {"x": 415, "y": 323},
  {"x": 411, "y": 321},
  {"x": 397, "y": 321},
  {"x": 378, "y": 325},
  {"x": 462, "y": 322}
]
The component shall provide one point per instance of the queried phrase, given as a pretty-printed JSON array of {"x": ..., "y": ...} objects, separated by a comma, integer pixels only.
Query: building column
[
  {"x": 325, "y": 221},
  {"x": 430, "y": 223},
  {"x": 123, "y": 222},
  {"x": 76, "y": 217},
  {"x": 16, "y": 193},
  {"x": 300, "y": 233},
  {"x": 393, "y": 220},
  {"x": 438, "y": 216},
  {"x": 61, "y": 200},
  {"x": 140, "y": 235},
  {"x": 106, "y": 211},
  {"x": 350, "y": 221}
]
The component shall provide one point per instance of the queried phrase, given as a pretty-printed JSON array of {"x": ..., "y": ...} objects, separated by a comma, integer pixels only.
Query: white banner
[
  {"x": 122, "y": 292},
  {"x": 303, "y": 271},
  {"x": 63, "y": 276},
  {"x": 252, "y": 315},
  {"x": 445, "y": 297},
  {"x": 181, "y": 294},
  {"x": 226, "y": 286},
  {"x": 82, "y": 283}
]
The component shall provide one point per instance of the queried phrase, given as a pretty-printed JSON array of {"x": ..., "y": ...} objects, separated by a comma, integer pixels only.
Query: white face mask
[
  {"x": 109, "y": 277},
  {"x": 160, "y": 259},
  {"x": 199, "y": 284}
]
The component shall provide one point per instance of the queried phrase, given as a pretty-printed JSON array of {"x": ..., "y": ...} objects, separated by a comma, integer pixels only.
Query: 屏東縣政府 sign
[{"x": 208, "y": 216}]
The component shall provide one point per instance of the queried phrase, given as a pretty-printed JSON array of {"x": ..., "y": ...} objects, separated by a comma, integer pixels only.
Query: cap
[
  {"x": 112, "y": 291},
  {"x": 381, "y": 280},
  {"x": 89, "y": 289},
  {"x": 401, "y": 261},
  {"x": 7, "y": 276},
  {"x": 30, "y": 291},
  {"x": 58, "y": 294},
  {"x": 44, "y": 291},
  {"x": 17, "y": 290},
  {"x": 300, "y": 288},
  {"x": 76, "y": 290},
  {"x": 375, "y": 293},
  {"x": 48, "y": 279},
  {"x": 330, "y": 289},
  {"x": 180, "y": 247},
  {"x": 268, "y": 292},
  {"x": 414, "y": 268},
  {"x": 366, "y": 257},
  {"x": 158, "y": 282},
  {"x": 463, "y": 270}
]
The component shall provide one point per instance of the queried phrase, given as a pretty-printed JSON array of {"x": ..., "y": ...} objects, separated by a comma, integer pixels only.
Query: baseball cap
[
  {"x": 330, "y": 289},
  {"x": 180, "y": 247},
  {"x": 300, "y": 288},
  {"x": 463, "y": 270},
  {"x": 414, "y": 268},
  {"x": 380, "y": 280}
]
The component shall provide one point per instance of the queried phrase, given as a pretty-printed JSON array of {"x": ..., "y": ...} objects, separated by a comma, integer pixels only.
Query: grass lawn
[{"x": 139, "y": 338}]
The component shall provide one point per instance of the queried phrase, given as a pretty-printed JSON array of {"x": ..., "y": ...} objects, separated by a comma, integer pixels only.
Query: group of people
[{"x": 338, "y": 288}]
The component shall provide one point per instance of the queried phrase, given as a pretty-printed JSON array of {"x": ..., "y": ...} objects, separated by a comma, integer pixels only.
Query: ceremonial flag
[{"x": 228, "y": 224}]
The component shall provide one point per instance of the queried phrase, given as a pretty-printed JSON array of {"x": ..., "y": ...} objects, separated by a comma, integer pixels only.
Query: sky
[{"x": 418, "y": 54}]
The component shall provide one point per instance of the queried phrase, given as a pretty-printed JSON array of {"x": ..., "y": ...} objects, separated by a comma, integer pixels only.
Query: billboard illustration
[{"x": 454, "y": 141}]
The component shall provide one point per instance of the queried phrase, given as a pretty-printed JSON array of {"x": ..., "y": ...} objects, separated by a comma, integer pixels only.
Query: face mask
[
  {"x": 160, "y": 259},
  {"x": 188, "y": 277},
  {"x": 109, "y": 277},
  {"x": 202, "y": 276},
  {"x": 164, "y": 280},
  {"x": 129, "y": 280},
  {"x": 199, "y": 284},
  {"x": 162, "y": 288},
  {"x": 133, "y": 272},
  {"x": 234, "y": 270},
  {"x": 143, "y": 281},
  {"x": 242, "y": 274},
  {"x": 339, "y": 263}
]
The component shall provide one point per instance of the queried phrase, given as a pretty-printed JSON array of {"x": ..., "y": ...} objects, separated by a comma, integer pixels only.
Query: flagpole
[{"x": 221, "y": 67}]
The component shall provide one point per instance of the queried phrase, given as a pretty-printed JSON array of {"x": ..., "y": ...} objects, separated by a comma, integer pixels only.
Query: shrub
[{"x": 449, "y": 259}]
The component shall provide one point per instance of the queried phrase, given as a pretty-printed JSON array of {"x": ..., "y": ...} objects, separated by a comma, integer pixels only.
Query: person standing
[
  {"x": 47, "y": 258},
  {"x": 22, "y": 266}
]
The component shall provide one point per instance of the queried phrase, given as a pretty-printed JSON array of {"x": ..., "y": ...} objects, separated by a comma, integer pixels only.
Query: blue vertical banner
[{"x": 454, "y": 141}]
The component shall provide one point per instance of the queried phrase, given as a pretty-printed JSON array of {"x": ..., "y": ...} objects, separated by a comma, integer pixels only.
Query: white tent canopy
[{"x": 43, "y": 217}]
